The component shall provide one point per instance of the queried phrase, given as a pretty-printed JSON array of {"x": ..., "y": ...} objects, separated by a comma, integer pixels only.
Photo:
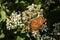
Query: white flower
[
  {"x": 58, "y": 33},
  {"x": 23, "y": 18},
  {"x": 13, "y": 21},
  {"x": 8, "y": 27},
  {"x": 21, "y": 24}
]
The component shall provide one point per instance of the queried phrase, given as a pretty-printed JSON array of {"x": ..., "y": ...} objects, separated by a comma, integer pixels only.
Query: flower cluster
[
  {"x": 46, "y": 37},
  {"x": 33, "y": 12},
  {"x": 13, "y": 21},
  {"x": 23, "y": 20},
  {"x": 56, "y": 29}
]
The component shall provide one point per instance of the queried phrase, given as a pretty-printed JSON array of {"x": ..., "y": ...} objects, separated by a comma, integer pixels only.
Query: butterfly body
[{"x": 37, "y": 23}]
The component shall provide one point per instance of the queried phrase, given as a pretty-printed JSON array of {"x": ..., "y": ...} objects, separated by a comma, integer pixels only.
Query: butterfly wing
[
  {"x": 34, "y": 25},
  {"x": 37, "y": 23},
  {"x": 40, "y": 21}
]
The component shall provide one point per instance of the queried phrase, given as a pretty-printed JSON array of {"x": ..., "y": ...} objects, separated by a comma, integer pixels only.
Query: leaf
[
  {"x": 39, "y": 5},
  {"x": 7, "y": 10},
  {"x": 1, "y": 1},
  {"x": 3, "y": 15},
  {"x": 19, "y": 38},
  {"x": 2, "y": 35},
  {"x": 23, "y": 31},
  {"x": 22, "y": 2},
  {"x": 36, "y": 1},
  {"x": 16, "y": 1},
  {"x": 28, "y": 35},
  {"x": 38, "y": 38}
]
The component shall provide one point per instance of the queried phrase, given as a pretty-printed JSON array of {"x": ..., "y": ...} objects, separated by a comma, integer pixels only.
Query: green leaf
[
  {"x": 2, "y": 35},
  {"x": 16, "y": 1},
  {"x": 36, "y": 1},
  {"x": 38, "y": 38},
  {"x": 28, "y": 35},
  {"x": 22, "y": 2},
  {"x": 3, "y": 15},
  {"x": 39, "y": 6},
  {"x": 7, "y": 10},
  {"x": 1, "y": 1},
  {"x": 19, "y": 38},
  {"x": 23, "y": 31}
]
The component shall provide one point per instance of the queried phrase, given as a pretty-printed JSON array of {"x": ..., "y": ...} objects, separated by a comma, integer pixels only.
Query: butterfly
[{"x": 37, "y": 23}]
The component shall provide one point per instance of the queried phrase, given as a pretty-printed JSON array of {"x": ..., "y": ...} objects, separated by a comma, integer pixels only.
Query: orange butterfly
[{"x": 37, "y": 23}]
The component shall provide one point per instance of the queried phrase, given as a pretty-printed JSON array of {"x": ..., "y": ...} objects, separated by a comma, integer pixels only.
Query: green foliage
[
  {"x": 3, "y": 15},
  {"x": 2, "y": 35},
  {"x": 19, "y": 38}
]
